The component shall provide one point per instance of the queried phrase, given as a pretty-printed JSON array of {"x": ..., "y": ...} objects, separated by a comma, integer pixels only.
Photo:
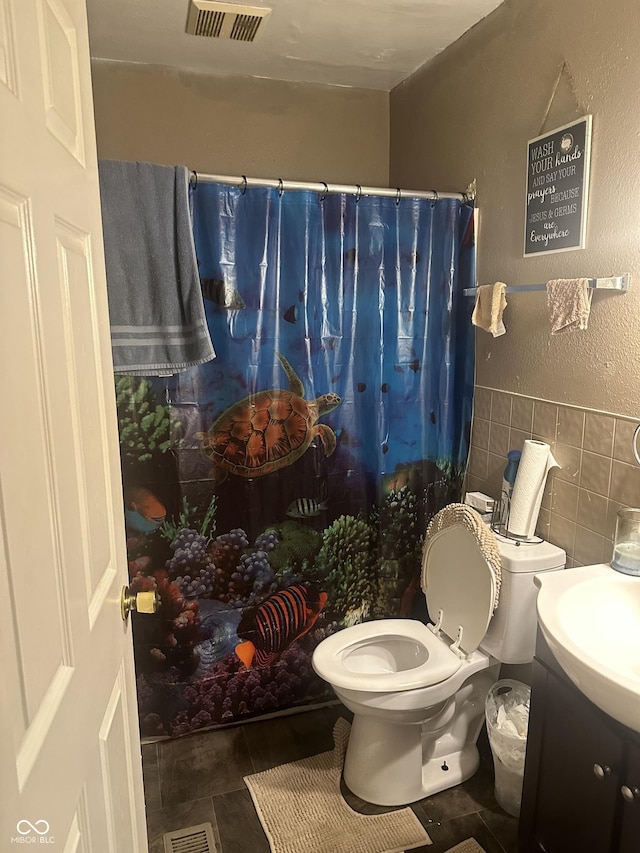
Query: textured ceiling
[{"x": 366, "y": 43}]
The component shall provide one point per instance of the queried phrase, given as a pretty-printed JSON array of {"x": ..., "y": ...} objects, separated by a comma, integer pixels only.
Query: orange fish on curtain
[
  {"x": 143, "y": 511},
  {"x": 282, "y": 618}
]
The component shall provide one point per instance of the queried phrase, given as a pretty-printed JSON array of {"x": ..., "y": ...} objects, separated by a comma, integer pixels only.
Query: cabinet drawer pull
[
  {"x": 629, "y": 795},
  {"x": 600, "y": 772}
]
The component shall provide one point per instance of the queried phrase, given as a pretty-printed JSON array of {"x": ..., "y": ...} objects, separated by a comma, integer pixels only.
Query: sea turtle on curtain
[{"x": 268, "y": 430}]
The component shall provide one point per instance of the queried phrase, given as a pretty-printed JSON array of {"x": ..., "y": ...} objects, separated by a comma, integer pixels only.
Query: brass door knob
[{"x": 141, "y": 602}]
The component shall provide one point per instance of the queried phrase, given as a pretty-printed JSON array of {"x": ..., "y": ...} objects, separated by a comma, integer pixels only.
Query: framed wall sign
[{"x": 558, "y": 189}]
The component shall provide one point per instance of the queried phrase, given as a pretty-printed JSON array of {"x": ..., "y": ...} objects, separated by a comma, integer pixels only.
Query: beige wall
[
  {"x": 242, "y": 126},
  {"x": 597, "y": 477},
  {"x": 469, "y": 114}
]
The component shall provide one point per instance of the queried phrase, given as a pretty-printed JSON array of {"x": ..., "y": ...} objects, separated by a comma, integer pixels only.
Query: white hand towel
[
  {"x": 490, "y": 304},
  {"x": 569, "y": 303}
]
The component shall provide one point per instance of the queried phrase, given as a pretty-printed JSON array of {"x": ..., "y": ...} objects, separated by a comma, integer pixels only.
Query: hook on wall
[{"x": 635, "y": 444}]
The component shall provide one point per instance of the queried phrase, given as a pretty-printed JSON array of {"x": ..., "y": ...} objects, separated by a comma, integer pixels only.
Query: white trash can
[{"x": 507, "y": 712}]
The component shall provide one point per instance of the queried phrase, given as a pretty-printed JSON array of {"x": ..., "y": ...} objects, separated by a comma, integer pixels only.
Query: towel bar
[{"x": 620, "y": 283}]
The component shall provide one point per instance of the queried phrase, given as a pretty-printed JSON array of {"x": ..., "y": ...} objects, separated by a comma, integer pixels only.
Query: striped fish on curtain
[{"x": 282, "y": 618}]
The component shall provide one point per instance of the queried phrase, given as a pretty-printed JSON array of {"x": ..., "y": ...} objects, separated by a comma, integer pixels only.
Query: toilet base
[
  {"x": 392, "y": 762},
  {"x": 449, "y": 770},
  {"x": 383, "y": 763},
  {"x": 387, "y": 765}
]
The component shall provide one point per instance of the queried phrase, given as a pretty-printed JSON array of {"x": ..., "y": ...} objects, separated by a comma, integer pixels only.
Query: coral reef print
[{"x": 281, "y": 492}]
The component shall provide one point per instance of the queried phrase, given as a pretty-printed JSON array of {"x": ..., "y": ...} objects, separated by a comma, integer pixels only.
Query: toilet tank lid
[{"x": 536, "y": 556}]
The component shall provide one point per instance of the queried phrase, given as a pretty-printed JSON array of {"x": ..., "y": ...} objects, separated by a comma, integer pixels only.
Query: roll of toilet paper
[{"x": 535, "y": 463}]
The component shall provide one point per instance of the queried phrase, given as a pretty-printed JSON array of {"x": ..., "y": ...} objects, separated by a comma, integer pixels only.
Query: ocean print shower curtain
[{"x": 281, "y": 492}]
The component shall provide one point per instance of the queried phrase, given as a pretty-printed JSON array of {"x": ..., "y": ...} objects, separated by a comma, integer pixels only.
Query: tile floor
[{"x": 198, "y": 778}]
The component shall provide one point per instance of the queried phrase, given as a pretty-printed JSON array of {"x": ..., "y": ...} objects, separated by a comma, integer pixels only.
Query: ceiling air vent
[{"x": 225, "y": 20}]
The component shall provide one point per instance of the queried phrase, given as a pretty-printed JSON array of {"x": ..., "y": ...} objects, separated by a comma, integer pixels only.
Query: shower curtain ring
[
  {"x": 280, "y": 187},
  {"x": 244, "y": 184},
  {"x": 324, "y": 191},
  {"x": 398, "y": 196},
  {"x": 358, "y": 193},
  {"x": 434, "y": 200},
  {"x": 194, "y": 178}
]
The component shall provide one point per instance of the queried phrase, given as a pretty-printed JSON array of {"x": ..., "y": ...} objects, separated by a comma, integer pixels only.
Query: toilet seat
[
  {"x": 396, "y": 655},
  {"x": 460, "y": 586},
  {"x": 408, "y": 656}
]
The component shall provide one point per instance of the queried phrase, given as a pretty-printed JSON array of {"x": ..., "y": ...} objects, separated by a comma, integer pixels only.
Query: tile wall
[{"x": 599, "y": 473}]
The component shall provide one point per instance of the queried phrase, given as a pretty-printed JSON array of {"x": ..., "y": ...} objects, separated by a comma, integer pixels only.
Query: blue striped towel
[{"x": 158, "y": 323}]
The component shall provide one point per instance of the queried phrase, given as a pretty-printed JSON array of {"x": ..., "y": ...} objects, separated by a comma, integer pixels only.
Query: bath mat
[
  {"x": 468, "y": 846},
  {"x": 302, "y": 810}
]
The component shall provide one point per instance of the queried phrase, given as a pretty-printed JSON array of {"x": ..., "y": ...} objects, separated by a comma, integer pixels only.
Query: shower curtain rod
[{"x": 321, "y": 187}]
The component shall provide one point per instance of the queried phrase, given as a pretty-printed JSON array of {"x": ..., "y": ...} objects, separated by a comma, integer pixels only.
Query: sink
[{"x": 590, "y": 617}]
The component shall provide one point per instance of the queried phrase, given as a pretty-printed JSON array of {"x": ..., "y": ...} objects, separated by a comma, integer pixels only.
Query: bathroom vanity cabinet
[{"x": 582, "y": 772}]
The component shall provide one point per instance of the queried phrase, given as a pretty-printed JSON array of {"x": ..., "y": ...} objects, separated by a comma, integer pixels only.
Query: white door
[{"x": 70, "y": 772}]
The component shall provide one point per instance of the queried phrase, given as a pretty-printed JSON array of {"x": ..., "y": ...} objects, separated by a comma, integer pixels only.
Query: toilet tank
[{"x": 511, "y": 636}]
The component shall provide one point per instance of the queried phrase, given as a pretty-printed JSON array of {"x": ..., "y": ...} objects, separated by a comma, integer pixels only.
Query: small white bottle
[{"x": 509, "y": 478}]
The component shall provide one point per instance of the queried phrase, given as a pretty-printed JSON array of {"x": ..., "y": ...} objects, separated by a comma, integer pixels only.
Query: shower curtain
[{"x": 281, "y": 492}]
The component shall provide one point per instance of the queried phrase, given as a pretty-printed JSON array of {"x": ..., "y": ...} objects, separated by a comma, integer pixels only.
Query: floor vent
[
  {"x": 193, "y": 839},
  {"x": 225, "y": 20}
]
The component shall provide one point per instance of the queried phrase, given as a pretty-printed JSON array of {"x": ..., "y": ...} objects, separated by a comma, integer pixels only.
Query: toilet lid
[{"x": 460, "y": 583}]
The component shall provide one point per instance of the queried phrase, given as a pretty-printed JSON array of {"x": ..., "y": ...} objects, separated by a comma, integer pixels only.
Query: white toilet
[{"x": 417, "y": 692}]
